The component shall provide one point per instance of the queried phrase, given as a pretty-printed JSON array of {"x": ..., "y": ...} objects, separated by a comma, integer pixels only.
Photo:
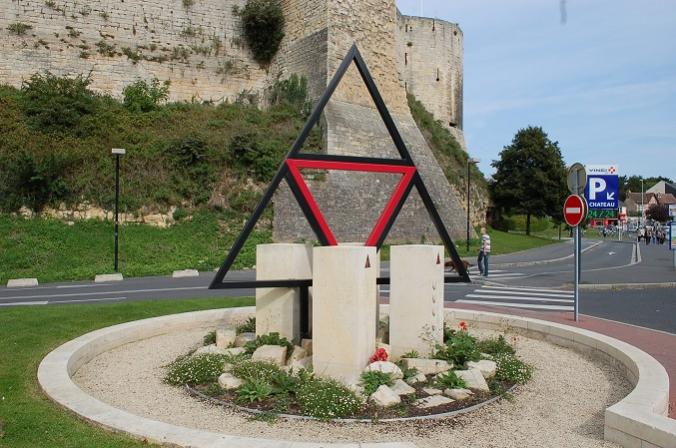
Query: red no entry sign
[{"x": 574, "y": 210}]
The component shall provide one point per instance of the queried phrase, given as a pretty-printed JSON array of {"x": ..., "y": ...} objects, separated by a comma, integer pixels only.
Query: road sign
[
  {"x": 603, "y": 187},
  {"x": 574, "y": 210},
  {"x": 672, "y": 235},
  {"x": 577, "y": 178},
  {"x": 672, "y": 210}
]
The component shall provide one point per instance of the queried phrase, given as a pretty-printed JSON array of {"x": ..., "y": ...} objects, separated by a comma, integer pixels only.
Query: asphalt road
[{"x": 534, "y": 279}]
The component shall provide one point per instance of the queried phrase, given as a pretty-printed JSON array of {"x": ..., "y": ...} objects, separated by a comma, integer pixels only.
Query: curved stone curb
[
  {"x": 618, "y": 286},
  {"x": 639, "y": 420}
]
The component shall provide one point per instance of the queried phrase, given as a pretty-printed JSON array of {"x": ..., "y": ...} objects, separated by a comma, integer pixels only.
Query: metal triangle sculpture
[{"x": 295, "y": 161}]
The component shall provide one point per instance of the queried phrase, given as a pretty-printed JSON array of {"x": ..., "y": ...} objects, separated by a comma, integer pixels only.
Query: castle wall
[{"x": 194, "y": 44}]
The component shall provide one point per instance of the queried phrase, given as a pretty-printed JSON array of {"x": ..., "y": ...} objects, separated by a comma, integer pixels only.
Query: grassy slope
[
  {"x": 503, "y": 243},
  {"x": 52, "y": 251},
  {"x": 27, "y": 417}
]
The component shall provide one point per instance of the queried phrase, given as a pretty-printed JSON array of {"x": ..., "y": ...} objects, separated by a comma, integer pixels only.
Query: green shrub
[
  {"x": 269, "y": 339},
  {"x": 143, "y": 97},
  {"x": 251, "y": 391},
  {"x": 200, "y": 369},
  {"x": 495, "y": 346},
  {"x": 411, "y": 354},
  {"x": 327, "y": 399},
  {"x": 511, "y": 368},
  {"x": 292, "y": 92},
  {"x": 459, "y": 349},
  {"x": 263, "y": 22},
  {"x": 35, "y": 182},
  {"x": 450, "y": 380},
  {"x": 371, "y": 381},
  {"x": 180, "y": 213},
  {"x": 209, "y": 338},
  {"x": 256, "y": 370},
  {"x": 19, "y": 28},
  {"x": 247, "y": 327},
  {"x": 256, "y": 155},
  {"x": 57, "y": 104}
]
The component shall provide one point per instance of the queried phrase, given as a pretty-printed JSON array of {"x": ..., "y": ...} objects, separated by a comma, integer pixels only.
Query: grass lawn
[
  {"x": 504, "y": 243},
  {"x": 27, "y": 418},
  {"x": 52, "y": 251}
]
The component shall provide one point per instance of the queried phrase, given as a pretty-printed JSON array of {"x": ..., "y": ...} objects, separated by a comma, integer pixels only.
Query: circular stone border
[{"x": 640, "y": 417}]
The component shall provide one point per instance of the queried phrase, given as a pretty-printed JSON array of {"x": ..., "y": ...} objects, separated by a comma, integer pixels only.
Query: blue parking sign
[{"x": 603, "y": 188}]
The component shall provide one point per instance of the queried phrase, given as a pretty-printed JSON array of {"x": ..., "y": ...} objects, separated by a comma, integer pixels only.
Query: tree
[
  {"x": 658, "y": 213},
  {"x": 530, "y": 176}
]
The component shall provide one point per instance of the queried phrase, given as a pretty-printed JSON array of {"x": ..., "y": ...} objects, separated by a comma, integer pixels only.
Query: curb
[
  {"x": 22, "y": 282},
  {"x": 639, "y": 419},
  {"x": 618, "y": 286},
  {"x": 185, "y": 273},
  {"x": 104, "y": 278},
  {"x": 521, "y": 264}
]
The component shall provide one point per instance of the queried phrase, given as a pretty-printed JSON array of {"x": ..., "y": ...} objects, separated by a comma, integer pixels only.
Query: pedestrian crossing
[
  {"x": 517, "y": 297},
  {"x": 495, "y": 274}
]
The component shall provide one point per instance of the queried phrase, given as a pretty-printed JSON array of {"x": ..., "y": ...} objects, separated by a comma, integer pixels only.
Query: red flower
[
  {"x": 379, "y": 355},
  {"x": 463, "y": 325}
]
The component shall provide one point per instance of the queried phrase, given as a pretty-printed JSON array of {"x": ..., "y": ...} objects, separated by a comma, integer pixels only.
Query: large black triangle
[{"x": 283, "y": 173}]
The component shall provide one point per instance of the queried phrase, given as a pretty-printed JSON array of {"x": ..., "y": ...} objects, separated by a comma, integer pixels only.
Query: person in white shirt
[{"x": 484, "y": 252}]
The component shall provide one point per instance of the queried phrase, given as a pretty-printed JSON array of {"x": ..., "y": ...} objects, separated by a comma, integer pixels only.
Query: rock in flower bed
[{"x": 271, "y": 375}]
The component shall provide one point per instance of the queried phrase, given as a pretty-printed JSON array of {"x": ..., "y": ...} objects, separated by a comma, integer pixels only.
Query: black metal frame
[{"x": 294, "y": 154}]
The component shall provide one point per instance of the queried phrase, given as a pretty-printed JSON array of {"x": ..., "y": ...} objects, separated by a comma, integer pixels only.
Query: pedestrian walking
[{"x": 484, "y": 252}]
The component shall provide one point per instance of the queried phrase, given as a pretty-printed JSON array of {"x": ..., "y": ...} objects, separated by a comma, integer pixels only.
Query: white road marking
[
  {"x": 520, "y": 305},
  {"x": 51, "y": 302},
  {"x": 525, "y": 293},
  {"x": 23, "y": 303},
  {"x": 536, "y": 299},
  {"x": 129, "y": 291},
  {"x": 519, "y": 288}
]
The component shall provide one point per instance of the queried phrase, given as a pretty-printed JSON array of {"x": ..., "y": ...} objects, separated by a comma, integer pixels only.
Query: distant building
[
  {"x": 663, "y": 187},
  {"x": 634, "y": 200}
]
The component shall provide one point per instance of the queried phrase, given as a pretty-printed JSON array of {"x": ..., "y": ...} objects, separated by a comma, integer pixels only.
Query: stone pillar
[
  {"x": 344, "y": 310},
  {"x": 278, "y": 309},
  {"x": 416, "y": 299}
]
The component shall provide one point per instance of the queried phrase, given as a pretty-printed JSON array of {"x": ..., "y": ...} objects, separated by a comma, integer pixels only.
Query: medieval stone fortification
[{"x": 198, "y": 46}]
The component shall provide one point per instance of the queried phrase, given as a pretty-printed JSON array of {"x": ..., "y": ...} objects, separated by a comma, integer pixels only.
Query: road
[{"x": 537, "y": 279}]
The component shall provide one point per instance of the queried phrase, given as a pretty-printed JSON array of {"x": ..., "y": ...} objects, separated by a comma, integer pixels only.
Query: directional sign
[
  {"x": 672, "y": 210},
  {"x": 603, "y": 187},
  {"x": 577, "y": 178},
  {"x": 672, "y": 236},
  {"x": 574, "y": 210}
]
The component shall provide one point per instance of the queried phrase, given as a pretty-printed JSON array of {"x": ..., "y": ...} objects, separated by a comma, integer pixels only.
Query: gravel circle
[{"x": 562, "y": 406}]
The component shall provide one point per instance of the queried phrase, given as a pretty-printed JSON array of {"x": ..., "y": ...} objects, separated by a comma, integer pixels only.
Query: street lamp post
[
  {"x": 642, "y": 206},
  {"x": 117, "y": 152},
  {"x": 470, "y": 161}
]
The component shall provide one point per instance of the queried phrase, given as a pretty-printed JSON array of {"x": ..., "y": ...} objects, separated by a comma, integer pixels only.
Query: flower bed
[{"x": 269, "y": 376}]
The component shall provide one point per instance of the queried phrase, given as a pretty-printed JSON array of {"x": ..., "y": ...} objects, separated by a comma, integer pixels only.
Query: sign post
[
  {"x": 574, "y": 212},
  {"x": 672, "y": 240}
]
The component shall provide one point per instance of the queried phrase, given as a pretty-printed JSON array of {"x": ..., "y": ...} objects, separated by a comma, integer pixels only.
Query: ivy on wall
[{"x": 263, "y": 22}]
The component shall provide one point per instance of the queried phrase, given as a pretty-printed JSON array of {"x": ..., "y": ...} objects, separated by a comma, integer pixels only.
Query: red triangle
[
  {"x": 438, "y": 259},
  {"x": 368, "y": 262},
  {"x": 407, "y": 172}
]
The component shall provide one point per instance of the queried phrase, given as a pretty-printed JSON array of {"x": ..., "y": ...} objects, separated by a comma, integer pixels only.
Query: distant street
[{"x": 538, "y": 279}]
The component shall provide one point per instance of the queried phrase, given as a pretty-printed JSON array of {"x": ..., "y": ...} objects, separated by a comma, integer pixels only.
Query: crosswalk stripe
[
  {"x": 536, "y": 299},
  {"x": 519, "y": 288},
  {"x": 519, "y": 305},
  {"x": 524, "y": 293}
]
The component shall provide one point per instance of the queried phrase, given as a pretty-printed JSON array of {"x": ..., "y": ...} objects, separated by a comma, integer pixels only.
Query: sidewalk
[{"x": 660, "y": 345}]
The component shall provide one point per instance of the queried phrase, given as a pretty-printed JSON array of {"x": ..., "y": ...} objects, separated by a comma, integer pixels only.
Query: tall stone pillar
[
  {"x": 278, "y": 309},
  {"x": 416, "y": 299},
  {"x": 344, "y": 310}
]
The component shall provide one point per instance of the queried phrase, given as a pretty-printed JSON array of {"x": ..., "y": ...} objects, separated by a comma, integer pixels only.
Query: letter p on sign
[{"x": 596, "y": 185}]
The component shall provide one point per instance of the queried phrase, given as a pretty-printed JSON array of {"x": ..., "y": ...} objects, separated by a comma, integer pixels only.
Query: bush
[
  {"x": 36, "y": 182},
  {"x": 269, "y": 339},
  {"x": 54, "y": 104},
  {"x": 257, "y": 390},
  {"x": 143, "y": 97},
  {"x": 450, "y": 380},
  {"x": 247, "y": 327},
  {"x": 263, "y": 22},
  {"x": 256, "y": 370},
  {"x": 511, "y": 368},
  {"x": 255, "y": 155},
  {"x": 292, "y": 92},
  {"x": 209, "y": 338},
  {"x": 19, "y": 28},
  {"x": 201, "y": 369},
  {"x": 495, "y": 346},
  {"x": 459, "y": 349},
  {"x": 371, "y": 381},
  {"x": 327, "y": 399}
]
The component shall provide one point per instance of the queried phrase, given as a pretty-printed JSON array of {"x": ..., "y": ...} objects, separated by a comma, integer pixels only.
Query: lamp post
[
  {"x": 470, "y": 162},
  {"x": 117, "y": 152},
  {"x": 642, "y": 206}
]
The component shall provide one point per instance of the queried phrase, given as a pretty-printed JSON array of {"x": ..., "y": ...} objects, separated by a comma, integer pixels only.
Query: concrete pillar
[
  {"x": 344, "y": 311},
  {"x": 278, "y": 309},
  {"x": 416, "y": 299}
]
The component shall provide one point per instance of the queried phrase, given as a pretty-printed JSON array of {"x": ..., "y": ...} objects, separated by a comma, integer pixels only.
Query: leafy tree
[
  {"x": 263, "y": 22},
  {"x": 658, "y": 213},
  {"x": 530, "y": 176},
  {"x": 143, "y": 97}
]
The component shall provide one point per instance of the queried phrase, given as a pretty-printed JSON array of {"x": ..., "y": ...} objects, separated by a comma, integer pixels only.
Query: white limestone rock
[
  {"x": 418, "y": 378},
  {"x": 225, "y": 337},
  {"x": 432, "y": 401},
  {"x": 385, "y": 397},
  {"x": 234, "y": 351},
  {"x": 297, "y": 353},
  {"x": 299, "y": 364},
  {"x": 427, "y": 366},
  {"x": 275, "y": 354},
  {"x": 473, "y": 379},
  {"x": 485, "y": 366},
  {"x": 385, "y": 367},
  {"x": 229, "y": 381},
  {"x": 401, "y": 388},
  {"x": 458, "y": 394},
  {"x": 432, "y": 391},
  {"x": 243, "y": 338},
  {"x": 209, "y": 350}
]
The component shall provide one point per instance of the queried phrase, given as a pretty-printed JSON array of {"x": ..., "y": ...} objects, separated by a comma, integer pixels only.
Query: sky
[{"x": 602, "y": 83}]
